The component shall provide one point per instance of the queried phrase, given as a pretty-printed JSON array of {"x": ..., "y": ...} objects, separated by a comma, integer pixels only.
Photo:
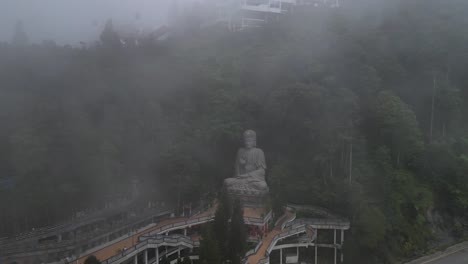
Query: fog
[
  {"x": 71, "y": 21},
  {"x": 360, "y": 107}
]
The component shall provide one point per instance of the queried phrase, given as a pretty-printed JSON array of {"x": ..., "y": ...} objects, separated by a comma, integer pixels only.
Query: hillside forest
[{"x": 360, "y": 110}]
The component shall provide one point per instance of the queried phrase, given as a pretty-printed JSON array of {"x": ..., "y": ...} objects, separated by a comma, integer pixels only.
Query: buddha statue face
[{"x": 250, "y": 139}]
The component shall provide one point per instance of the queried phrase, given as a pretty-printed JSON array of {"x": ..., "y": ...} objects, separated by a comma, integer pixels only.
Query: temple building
[{"x": 241, "y": 14}]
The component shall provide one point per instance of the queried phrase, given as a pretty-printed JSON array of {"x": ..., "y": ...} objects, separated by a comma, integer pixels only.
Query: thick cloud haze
[{"x": 71, "y": 21}]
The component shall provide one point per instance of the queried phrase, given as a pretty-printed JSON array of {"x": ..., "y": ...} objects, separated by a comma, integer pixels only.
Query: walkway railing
[
  {"x": 326, "y": 219},
  {"x": 249, "y": 220},
  {"x": 285, "y": 223},
  {"x": 294, "y": 230},
  {"x": 11, "y": 249},
  {"x": 44, "y": 231},
  {"x": 322, "y": 211},
  {"x": 176, "y": 240},
  {"x": 173, "y": 226},
  {"x": 155, "y": 238},
  {"x": 321, "y": 223},
  {"x": 253, "y": 251}
]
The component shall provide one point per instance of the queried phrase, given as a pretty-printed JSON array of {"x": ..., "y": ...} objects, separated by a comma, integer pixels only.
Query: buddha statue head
[{"x": 250, "y": 139}]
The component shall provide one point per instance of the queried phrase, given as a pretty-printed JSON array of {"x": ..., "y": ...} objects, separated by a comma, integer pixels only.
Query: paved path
[
  {"x": 108, "y": 250},
  {"x": 457, "y": 254},
  {"x": 458, "y": 257},
  {"x": 255, "y": 258}
]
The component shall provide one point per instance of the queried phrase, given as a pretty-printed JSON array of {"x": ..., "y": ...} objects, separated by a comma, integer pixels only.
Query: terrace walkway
[
  {"x": 257, "y": 256},
  {"x": 112, "y": 248}
]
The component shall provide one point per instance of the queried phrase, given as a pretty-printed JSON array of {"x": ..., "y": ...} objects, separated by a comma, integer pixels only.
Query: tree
[
  {"x": 278, "y": 174},
  {"x": 209, "y": 247},
  {"x": 92, "y": 260},
  {"x": 109, "y": 36},
  {"x": 448, "y": 104},
  {"x": 370, "y": 226},
  {"x": 221, "y": 223},
  {"x": 182, "y": 170},
  {"x": 237, "y": 234},
  {"x": 19, "y": 35},
  {"x": 397, "y": 127}
]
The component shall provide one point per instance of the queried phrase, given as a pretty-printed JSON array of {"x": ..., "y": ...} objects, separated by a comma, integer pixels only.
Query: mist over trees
[{"x": 358, "y": 110}]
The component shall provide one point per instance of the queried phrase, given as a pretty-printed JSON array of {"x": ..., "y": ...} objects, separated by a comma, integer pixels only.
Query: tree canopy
[{"x": 362, "y": 110}]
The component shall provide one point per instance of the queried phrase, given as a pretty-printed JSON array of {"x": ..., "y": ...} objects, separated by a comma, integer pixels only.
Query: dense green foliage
[
  {"x": 363, "y": 110},
  {"x": 92, "y": 260},
  {"x": 237, "y": 234},
  {"x": 210, "y": 249},
  {"x": 225, "y": 238}
]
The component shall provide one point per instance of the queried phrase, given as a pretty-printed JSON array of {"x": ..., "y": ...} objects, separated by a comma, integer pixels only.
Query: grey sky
[{"x": 71, "y": 21}]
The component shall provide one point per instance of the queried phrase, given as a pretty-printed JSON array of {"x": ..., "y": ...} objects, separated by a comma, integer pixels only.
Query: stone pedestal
[{"x": 252, "y": 198}]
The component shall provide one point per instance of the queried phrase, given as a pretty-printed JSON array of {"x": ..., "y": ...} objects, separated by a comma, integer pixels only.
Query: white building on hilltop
[{"x": 241, "y": 14}]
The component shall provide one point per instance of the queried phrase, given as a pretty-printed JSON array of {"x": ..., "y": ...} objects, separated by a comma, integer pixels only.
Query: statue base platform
[{"x": 251, "y": 198}]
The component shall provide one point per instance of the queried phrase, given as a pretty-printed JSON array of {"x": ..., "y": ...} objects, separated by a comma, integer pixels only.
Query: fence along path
[
  {"x": 257, "y": 256},
  {"x": 160, "y": 240},
  {"x": 111, "y": 249}
]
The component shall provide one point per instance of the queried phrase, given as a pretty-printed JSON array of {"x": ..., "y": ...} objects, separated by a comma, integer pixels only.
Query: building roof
[{"x": 253, "y": 212}]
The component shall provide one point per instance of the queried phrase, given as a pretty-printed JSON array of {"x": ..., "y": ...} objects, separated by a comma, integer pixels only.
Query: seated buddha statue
[{"x": 249, "y": 176}]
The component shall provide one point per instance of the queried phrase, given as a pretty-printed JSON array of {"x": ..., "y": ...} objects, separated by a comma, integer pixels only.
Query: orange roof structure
[{"x": 253, "y": 212}]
